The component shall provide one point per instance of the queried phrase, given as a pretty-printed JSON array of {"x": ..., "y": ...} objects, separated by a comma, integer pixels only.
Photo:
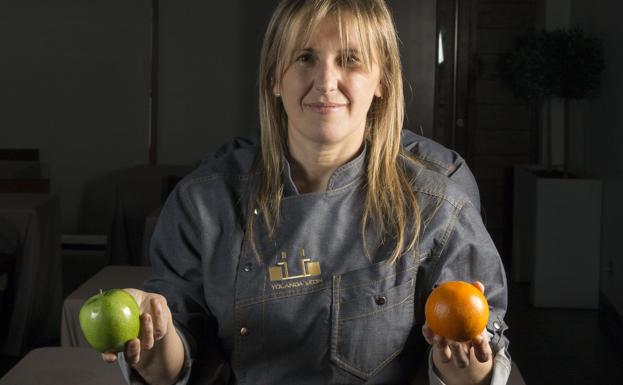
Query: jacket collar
[{"x": 342, "y": 176}]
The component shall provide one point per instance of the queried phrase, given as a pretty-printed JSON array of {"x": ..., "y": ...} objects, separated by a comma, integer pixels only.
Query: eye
[
  {"x": 304, "y": 58},
  {"x": 350, "y": 60}
]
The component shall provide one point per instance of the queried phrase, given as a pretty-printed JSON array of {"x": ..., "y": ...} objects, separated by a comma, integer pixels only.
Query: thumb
[
  {"x": 479, "y": 286},
  {"x": 109, "y": 357}
]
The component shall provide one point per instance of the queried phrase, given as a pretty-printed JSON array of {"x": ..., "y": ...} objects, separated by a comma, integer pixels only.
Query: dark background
[{"x": 75, "y": 81}]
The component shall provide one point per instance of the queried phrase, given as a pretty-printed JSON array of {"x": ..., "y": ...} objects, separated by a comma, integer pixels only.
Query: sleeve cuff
[
  {"x": 132, "y": 377},
  {"x": 501, "y": 369},
  {"x": 185, "y": 373}
]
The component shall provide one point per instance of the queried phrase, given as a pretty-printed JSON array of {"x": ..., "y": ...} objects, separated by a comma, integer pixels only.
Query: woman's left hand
[{"x": 460, "y": 354}]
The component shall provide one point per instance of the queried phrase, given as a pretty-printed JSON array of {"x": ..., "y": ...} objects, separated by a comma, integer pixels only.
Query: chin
[
  {"x": 330, "y": 135},
  {"x": 327, "y": 131}
]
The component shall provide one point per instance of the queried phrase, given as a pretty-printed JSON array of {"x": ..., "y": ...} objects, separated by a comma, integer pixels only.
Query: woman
[{"x": 308, "y": 259}]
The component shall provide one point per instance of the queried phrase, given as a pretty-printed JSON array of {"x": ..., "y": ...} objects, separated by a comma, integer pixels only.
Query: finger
[
  {"x": 482, "y": 349},
  {"x": 479, "y": 286},
  {"x": 147, "y": 332},
  {"x": 160, "y": 322},
  {"x": 460, "y": 354},
  {"x": 132, "y": 351},
  {"x": 109, "y": 357},
  {"x": 441, "y": 348}
]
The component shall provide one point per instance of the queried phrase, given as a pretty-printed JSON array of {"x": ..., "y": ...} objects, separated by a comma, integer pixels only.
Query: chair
[
  {"x": 7, "y": 266},
  {"x": 20, "y": 172},
  {"x": 515, "y": 378},
  {"x": 17, "y": 154}
]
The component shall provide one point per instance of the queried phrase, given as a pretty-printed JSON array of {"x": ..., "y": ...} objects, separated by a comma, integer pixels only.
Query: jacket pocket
[{"x": 370, "y": 322}]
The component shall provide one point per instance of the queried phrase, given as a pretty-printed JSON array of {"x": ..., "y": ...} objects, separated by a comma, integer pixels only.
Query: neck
[{"x": 312, "y": 165}]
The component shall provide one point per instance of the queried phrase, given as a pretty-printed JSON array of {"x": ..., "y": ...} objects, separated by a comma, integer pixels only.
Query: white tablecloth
[
  {"x": 110, "y": 277},
  {"x": 38, "y": 292},
  {"x": 63, "y": 366}
]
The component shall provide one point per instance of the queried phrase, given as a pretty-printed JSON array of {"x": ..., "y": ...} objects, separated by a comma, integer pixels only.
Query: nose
[{"x": 327, "y": 77}]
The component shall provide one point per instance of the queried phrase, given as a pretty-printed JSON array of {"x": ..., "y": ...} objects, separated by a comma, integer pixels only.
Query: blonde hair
[{"x": 390, "y": 201}]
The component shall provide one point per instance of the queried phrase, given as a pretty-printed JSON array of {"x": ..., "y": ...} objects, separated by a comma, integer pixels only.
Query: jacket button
[
  {"x": 248, "y": 267},
  {"x": 244, "y": 332},
  {"x": 380, "y": 300}
]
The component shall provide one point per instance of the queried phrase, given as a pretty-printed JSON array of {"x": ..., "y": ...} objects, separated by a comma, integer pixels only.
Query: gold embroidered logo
[{"x": 280, "y": 272}]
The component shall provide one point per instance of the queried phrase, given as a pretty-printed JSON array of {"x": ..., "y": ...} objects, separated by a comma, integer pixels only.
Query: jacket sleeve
[
  {"x": 467, "y": 253},
  {"x": 175, "y": 253}
]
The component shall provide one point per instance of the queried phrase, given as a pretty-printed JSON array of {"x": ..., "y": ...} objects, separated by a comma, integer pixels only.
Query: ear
[{"x": 378, "y": 92}]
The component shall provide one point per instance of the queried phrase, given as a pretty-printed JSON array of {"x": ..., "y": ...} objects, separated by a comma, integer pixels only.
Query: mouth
[{"x": 325, "y": 108}]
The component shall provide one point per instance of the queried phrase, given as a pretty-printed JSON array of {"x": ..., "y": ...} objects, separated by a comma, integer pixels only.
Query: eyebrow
[{"x": 341, "y": 51}]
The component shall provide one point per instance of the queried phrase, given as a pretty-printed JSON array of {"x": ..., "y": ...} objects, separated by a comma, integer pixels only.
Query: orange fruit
[{"x": 457, "y": 310}]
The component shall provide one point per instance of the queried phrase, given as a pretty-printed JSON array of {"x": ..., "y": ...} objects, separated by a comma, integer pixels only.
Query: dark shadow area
[{"x": 560, "y": 346}]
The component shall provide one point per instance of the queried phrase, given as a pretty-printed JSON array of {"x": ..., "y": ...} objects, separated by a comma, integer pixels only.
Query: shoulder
[
  {"x": 432, "y": 154},
  {"x": 435, "y": 189},
  {"x": 220, "y": 183},
  {"x": 231, "y": 163},
  {"x": 439, "y": 159}
]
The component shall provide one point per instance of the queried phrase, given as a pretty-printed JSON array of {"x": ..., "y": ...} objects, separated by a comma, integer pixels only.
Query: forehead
[
  {"x": 343, "y": 28},
  {"x": 327, "y": 32}
]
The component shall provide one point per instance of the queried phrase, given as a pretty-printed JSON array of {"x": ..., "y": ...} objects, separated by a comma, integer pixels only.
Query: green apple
[{"x": 109, "y": 320}]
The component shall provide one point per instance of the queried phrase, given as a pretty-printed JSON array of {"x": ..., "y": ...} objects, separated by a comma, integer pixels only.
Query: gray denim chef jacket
[{"x": 317, "y": 305}]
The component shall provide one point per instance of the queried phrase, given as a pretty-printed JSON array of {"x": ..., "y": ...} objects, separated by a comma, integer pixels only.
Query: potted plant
[
  {"x": 560, "y": 64},
  {"x": 557, "y": 214}
]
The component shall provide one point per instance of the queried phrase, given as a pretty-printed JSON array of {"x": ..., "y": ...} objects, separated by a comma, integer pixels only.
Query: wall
[
  {"x": 209, "y": 54},
  {"x": 74, "y": 80},
  {"x": 500, "y": 130},
  {"x": 597, "y": 139},
  {"x": 552, "y": 15},
  {"x": 204, "y": 78},
  {"x": 417, "y": 29}
]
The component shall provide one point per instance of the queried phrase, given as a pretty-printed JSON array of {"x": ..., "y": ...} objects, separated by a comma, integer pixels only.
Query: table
[
  {"x": 63, "y": 366},
  {"x": 110, "y": 277},
  {"x": 35, "y": 318}
]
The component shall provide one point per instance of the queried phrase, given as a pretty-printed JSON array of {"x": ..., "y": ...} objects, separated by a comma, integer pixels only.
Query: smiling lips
[{"x": 325, "y": 108}]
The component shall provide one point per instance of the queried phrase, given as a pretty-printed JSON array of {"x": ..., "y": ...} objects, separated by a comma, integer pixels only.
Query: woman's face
[{"x": 327, "y": 98}]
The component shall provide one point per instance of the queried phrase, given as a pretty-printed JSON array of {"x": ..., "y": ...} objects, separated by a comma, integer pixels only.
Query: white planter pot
[{"x": 556, "y": 238}]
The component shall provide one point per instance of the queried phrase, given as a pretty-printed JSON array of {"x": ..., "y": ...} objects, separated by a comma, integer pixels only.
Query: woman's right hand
[{"x": 155, "y": 323}]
